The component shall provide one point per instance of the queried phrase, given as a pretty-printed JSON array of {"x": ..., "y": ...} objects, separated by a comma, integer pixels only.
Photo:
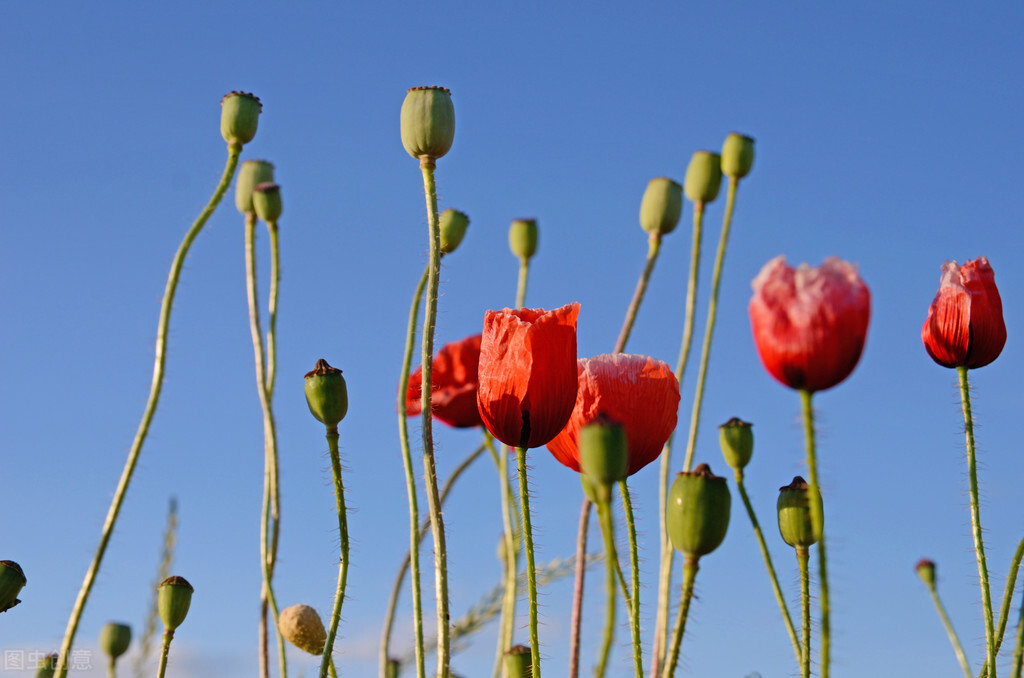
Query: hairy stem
[
  {"x": 689, "y": 574},
  {"x": 803, "y": 557},
  {"x": 531, "y": 571},
  {"x": 1004, "y": 609},
  {"x": 818, "y": 525},
  {"x": 611, "y": 557},
  {"x": 948, "y": 625},
  {"x": 339, "y": 594},
  {"x": 510, "y": 566},
  {"x": 577, "y": 591},
  {"x": 634, "y": 566}
]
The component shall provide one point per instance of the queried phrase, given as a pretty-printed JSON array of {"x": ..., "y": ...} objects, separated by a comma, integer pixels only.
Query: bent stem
[
  {"x": 689, "y": 574},
  {"x": 953, "y": 639},
  {"x": 818, "y": 525},
  {"x": 234, "y": 150},
  {"x": 577, "y": 591},
  {"x": 339, "y": 594},
  {"x": 979, "y": 546},
  {"x": 803, "y": 556},
  {"x": 634, "y": 565},
  {"x": 653, "y": 246},
  {"x": 531, "y": 572}
]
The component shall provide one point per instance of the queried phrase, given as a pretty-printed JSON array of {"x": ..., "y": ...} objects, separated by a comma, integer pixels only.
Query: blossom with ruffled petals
[
  {"x": 965, "y": 325},
  {"x": 454, "y": 381}
]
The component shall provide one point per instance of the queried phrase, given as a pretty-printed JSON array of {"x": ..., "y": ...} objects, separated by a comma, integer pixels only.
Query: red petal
[
  {"x": 965, "y": 324},
  {"x": 454, "y": 384}
]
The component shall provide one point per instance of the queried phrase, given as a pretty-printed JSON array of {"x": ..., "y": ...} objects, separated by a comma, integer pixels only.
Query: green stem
[
  {"x": 979, "y": 545},
  {"x": 531, "y": 572},
  {"x": 234, "y": 150},
  {"x": 339, "y": 594},
  {"x": 410, "y": 485},
  {"x": 430, "y": 472},
  {"x": 1018, "y": 647},
  {"x": 803, "y": 556},
  {"x": 653, "y": 246},
  {"x": 604, "y": 515},
  {"x": 275, "y": 282},
  {"x": 953, "y": 639},
  {"x": 163, "y": 572},
  {"x": 818, "y": 524},
  {"x": 510, "y": 521},
  {"x": 634, "y": 566},
  {"x": 164, "y": 651},
  {"x": 766, "y": 556},
  {"x": 1004, "y": 609},
  {"x": 689, "y": 574},
  {"x": 524, "y": 271},
  {"x": 577, "y": 592},
  {"x": 332, "y": 670},
  {"x": 110, "y": 668}
]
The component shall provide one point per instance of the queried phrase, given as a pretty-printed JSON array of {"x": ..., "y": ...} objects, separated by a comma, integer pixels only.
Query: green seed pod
[
  {"x": 926, "y": 571},
  {"x": 174, "y": 596},
  {"x": 736, "y": 439},
  {"x": 47, "y": 666},
  {"x": 522, "y": 238},
  {"x": 12, "y": 580},
  {"x": 697, "y": 515},
  {"x": 428, "y": 122},
  {"x": 251, "y": 174},
  {"x": 661, "y": 206},
  {"x": 115, "y": 639},
  {"x": 326, "y": 394},
  {"x": 301, "y": 626},
  {"x": 239, "y": 116},
  {"x": 453, "y": 225},
  {"x": 266, "y": 201},
  {"x": 795, "y": 514},
  {"x": 604, "y": 454},
  {"x": 703, "y": 177},
  {"x": 518, "y": 662},
  {"x": 737, "y": 155},
  {"x": 392, "y": 668}
]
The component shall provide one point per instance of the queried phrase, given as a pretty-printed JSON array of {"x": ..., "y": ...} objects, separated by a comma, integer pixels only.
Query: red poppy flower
[
  {"x": 965, "y": 325},
  {"x": 528, "y": 373},
  {"x": 809, "y": 323},
  {"x": 454, "y": 381},
  {"x": 637, "y": 391}
]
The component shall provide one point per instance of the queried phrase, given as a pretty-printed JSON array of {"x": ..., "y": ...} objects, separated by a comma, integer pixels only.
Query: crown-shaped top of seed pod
[
  {"x": 301, "y": 626},
  {"x": 794, "y": 511},
  {"x": 115, "y": 639},
  {"x": 736, "y": 439},
  {"x": 697, "y": 515},
  {"x": 174, "y": 597},
  {"x": 522, "y": 238},
  {"x": 428, "y": 123},
  {"x": 661, "y": 207},
  {"x": 326, "y": 394},
  {"x": 737, "y": 155},
  {"x": 266, "y": 201},
  {"x": 239, "y": 116},
  {"x": 453, "y": 225},
  {"x": 703, "y": 177},
  {"x": 250, "y": 175},
  {"x": 12, "y": 580}
]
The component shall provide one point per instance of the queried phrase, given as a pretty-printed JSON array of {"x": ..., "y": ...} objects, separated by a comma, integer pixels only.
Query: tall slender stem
[
  {"x": 803, "y": 556},
  {"x": 604, "y": 515},
  {"x": 577, "y": 591},
  {"x": 163, "y": 572},
  {"x": 979, "y": 545},
  {"x": 524, "y": 272},
  {"x": 234, "y": 150},
  {"x": 164, "y": 651},
  {"x": 275, "y": 283},
  {"x": 1018, "y": 647},
  {"x": 1004, "y": 609},
  {"x": 531, "y": 570},
  {"x": 410, "y": 485},
  {"x": 653, "y": 246},
  {"x": 510, "y": 568},
  {"x": 818, "y": 524},
  {"x": 339, "y": 594},
  {"x": 948, "y": 625},
  {"x": 689, "y": 574},
  {"x": 634, "y": 566}
]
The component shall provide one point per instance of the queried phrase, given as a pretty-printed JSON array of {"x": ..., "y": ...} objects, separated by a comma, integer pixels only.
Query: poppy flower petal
[{"x": 965, "y": 326}]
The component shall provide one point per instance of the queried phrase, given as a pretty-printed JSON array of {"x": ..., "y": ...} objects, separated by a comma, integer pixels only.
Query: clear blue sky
[{"x": 887, "y": 133}]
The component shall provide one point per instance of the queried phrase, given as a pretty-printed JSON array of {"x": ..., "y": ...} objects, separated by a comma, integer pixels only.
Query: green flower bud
[
  {"x": 795, "y": 514},
  {"x": 12, "y": 580},
  {"x": 926, "y": 571},
  {"x": 239, "y": 116},
  {"x": 697, "y": 516},
  {"x": 661, "y": 206},
  {"x": 736, "y": 439},
  {"x": 428, "y": 123},
  {"x": 47, "y": 666},
  {"x": 737, "y": 155},
  {"x": 174, "y": 596},
  {"x": 326, "y": 394},
  {"x": 703, "y": 177},
  {"x": 453, "y": 225},
  {"x": 522, "y": 238},
  {"x": 115, "y": 639},
  {"x": 250, "y": 175},
  {"x": 392, "y": 668},
  {"x": 519, "y": 662},
  {"x": 266, "y": 201},
  {"x": 301, "y": 626},
  {"x": 604, "y": 455}
]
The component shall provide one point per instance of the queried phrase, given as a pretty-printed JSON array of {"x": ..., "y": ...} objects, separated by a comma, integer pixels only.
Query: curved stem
[
  {"x": 1004, "y": 609},
  {"x": 234, "y": 150},
  {"x": 164, "y": 651},
  {"x": 653, "y": 246},
  {"x": 510, "y": 522},
  {"x": 979, "y": 545},
  {"x": 634, "y": 566},
  {"x": 339, "y": 594},
  {"x": 611, "y": 557},
  {"x": 689, "y": 574},
  {"x": 803, "y": 556},
  {"x": 531, "y": 571},
  {"x": 953, "y": 639},
  {"x": 410, "y": 485},
  {"x": 779, "y": 597},
  {"x": 818, "y": 524},
  {"x": 524, "y": 272},
  {"x": 577, "y": 591}
]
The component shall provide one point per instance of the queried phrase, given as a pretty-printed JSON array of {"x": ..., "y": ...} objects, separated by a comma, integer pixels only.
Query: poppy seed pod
[
  {"x": 703, "y": 177},
  {"x": 47, "y": 666},
  {"x": 266, "y": 201},
  {"x": 174, "y": 597},
  {"x": 926, "y": 571},
  {"x": 326, "y": 394},
  {"x": 604, "y": 454},
  {"x": 301, "y": 626},
  {"x": 794, "y": 511},
  {"x": 522, "y": 238},
  {"x": 239, "y": 116},
  {"x": 697, "y": 515},
  {"x": 115, "y": 639},
  {"x": 736, "y": 438},
  {"x": 518, "y": 662},
  {"x": 251, "y": 174},
  {"x": 737, "y": 155},
  {"x": 453, "y": 225},
  {"x": 661, "y": 207},
  {"x": 428, "y": 122},
  {"x": 12, "y": 580}
]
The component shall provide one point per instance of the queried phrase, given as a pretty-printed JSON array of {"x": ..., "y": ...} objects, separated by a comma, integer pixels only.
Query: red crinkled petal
[
  {"x": 965, "y": 325},
  {"x": 455, "y": 384}
]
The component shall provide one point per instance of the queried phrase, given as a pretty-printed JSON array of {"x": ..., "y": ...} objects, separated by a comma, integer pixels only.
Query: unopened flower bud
[
  {"x": 239, "y": 116},
  {"x": 518, "y": 662},
  {"x": 174, "y": 596},
  {"x": 428, "y": 122},
  {"x": 266, "y": 201},
  {"x": 661, "y": 207},
  {"x": 604, "y": 455},
  {"x": 703, "y": 177},
  {"x": 795, "y": 514},
  {"x": 736, "y": 439},
  {"x": 697, "y": 515},
  {"x": 115, "y": 639},
  {"x": 251, "y": 174},
  {"x": 326, "y": 394},
  {"x": 926, "y": 571},
  {"x": 47, "y": 666},
  {"x": 301, "y": 626},
  {"x": 522, "y": 238},
  {"x": 737, "y": 155},
  {"x": 12, "y": 580},
  {"x": 453, "y": 225}
]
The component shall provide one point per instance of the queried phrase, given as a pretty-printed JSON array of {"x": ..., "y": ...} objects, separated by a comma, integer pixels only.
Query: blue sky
[{"x": 887, "y": 134}]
